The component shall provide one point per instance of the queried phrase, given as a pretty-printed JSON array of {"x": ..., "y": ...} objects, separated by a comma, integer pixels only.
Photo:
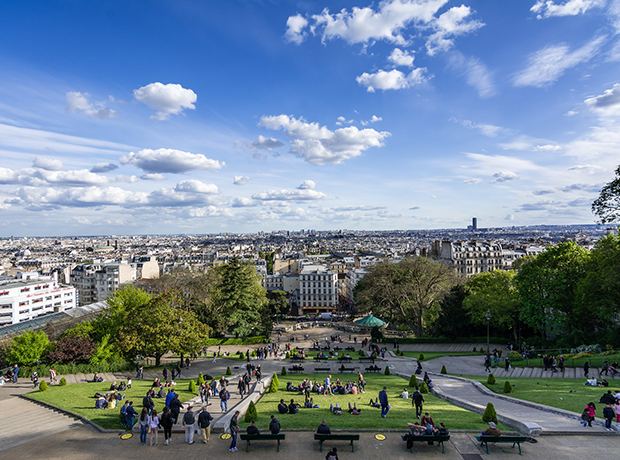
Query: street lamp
[{"x": 488, "y": 317}]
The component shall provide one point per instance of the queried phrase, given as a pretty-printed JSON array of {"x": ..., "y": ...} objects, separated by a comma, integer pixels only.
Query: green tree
[
  {"x": 238, "y": 301},
  {"x": 155, "y": 328},
  {"x": 278, "y": 303},
  {"x": 607, "y": 206},
  {"x": 453, "y": 321},
  {"x": 407, "y": 292},
  {"x": 547, "y": 289},
  {"x": 111, "y": 320},
  {"x": 105, "y": 352},
  {"x": 496, "y": 292},
  {"x": 28, "y": 348},
  {"x": 71, "y": 349}
]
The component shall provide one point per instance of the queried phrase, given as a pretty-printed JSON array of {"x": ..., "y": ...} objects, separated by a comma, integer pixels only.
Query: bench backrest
[
  {"x": 428, "y": 437},
  {"x": 342, "y": 437},
  {"x": 502, "y": 438},
  {"x": 246, "y": 436}
]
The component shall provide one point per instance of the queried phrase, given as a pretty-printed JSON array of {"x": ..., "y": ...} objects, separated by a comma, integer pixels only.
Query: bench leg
[
  {"x": 247, "y": 445},
  {"x": 320, "y": 445},
  {"x": 278, "y": 448},
  {"x": 352, "y": 450},
  {"x": 518, "y": 444},
  {"x": 442, "y": 449}
]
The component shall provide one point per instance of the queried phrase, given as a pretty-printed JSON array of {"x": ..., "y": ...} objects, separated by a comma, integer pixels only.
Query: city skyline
[{"x": 208, "y": 117}]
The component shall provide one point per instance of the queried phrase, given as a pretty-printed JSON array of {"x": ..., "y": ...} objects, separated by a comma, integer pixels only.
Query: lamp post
[{"x": 488, "y": 317}]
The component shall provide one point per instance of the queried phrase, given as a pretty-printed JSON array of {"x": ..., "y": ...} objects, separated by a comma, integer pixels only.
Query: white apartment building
[
  {"x": 470, "y": 257},
  {"x": 318, "y": 289},
  {"x": 33, "y": 296},
  {"x": 353, "y": 277}
]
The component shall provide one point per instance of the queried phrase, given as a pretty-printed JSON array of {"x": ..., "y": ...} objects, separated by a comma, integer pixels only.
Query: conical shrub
[
  {"x": 387, "y": 370},
  {"x": 413, "y": 381},
  {"x": 228, "y": 371},
  {"x": 251, "y": 414},
  {"x": 273, "y": 386},
  {"x": 275, "y": 377},
  {"x": 507, "y": 387},
  {"x": 443, "y": 370},
  {"x": 491, "y": 379},
  {"x": 192, "y": 387},
  {"x": 421, "y": 357},
  {"x": 283, "y": 371},
  {"x": 423, "y": 388},
  {"x": 63, "y": 382},
  {"x": 489, "y": 414},
  {"x": 201, "y": 379},
  {"x": 42, "y": 386}
]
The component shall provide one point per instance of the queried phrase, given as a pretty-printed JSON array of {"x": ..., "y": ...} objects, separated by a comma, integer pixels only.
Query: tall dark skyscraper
[{"x": 474, "y": 224}]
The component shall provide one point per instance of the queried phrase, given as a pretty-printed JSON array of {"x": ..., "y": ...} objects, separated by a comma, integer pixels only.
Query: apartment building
[
  {"x": 318, "y": 289},
  {"x": 470, "y": 257}
]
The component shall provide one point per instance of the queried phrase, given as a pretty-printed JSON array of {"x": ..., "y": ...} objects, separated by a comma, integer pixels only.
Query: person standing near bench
[
  {"x": 332, "y": 454},
  {"x": 234, "y": 429},
  {"x": 189, "y": 421},
  {"x": 204, "y": 421},
  {"x": 383, "y": 400},
  {"x": 417, "y": 400}
]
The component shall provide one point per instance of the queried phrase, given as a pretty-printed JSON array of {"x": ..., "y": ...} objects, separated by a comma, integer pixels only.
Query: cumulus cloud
[
  {"x": 476, "y": 74},
  {"x": 263, "y": 143},
  {"x": 79, "y": 102},
  {"x": 504, "y": 176},
  {"x": 449, "y": 25},
  {"x": 547, "y": 65},
  {"x": 393, "y": 79},
  {"x": 307, "y": 185},
  {"x": 103, "y": 167},
  {"x": 241, "y": 180},
  {"x": 75, "y": 178},
  {"x": 50, "y": 198},
  {"x": 319, "y": 145},
  {"x": 196, "y": 186},
  {"x": 549, "y": 8},
  {"x": 169, "y": 161},
  {"x": 153, "y": 177},
  {"x": 49, "y": 164},
  {"x": 295, "y": 26},
  {"x": 243, "y": 202},
  {"x": 588, "y": 168},
  {"x": 401, "y": 58},
  {"x": 606, "y": 104},
  {"x": 169, "y": 99}
]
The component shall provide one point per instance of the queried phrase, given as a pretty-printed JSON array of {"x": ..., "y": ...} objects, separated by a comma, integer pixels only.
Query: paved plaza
[{"x": 30, "y": 430}]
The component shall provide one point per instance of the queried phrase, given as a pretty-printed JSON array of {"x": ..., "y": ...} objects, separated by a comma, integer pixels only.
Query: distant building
[
  {"x": 31, "y": 296},
  {"x": 470, "y": 257},
  {"x": 318, "y": 289},
  {"x": 474, "y": 224}
]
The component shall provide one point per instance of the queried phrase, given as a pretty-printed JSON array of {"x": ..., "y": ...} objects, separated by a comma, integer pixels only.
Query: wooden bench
[
  {"x": 297, "y": 359},
  {"x": 298, "y": 369},
  {"x": 503, "y": 439},
  {"x": 343, "y": 369},
  {"x": 314, "y": 349},
  {"x": 368, "y": 359},
  {"x": 336, "y": 437},
  {"x": 345, "y": 359},
  {"x": 372, "y": 369},
  {"x": 262, "y": 437},
  {"x": 439, "y": 438},
  {"x": 318, "y": 370},
  {"x": 350, "y": 349},
  {"x": 322, "y": 358}
]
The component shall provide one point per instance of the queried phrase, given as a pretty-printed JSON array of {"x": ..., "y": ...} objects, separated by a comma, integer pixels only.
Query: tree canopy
[{"x": 607, "y": 206}]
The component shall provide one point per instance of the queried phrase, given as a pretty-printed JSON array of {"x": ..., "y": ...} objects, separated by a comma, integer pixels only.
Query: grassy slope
[
  {"x": 438, "y": 354},
  {"x": 369, "y": 418},
  {"x": 551, "y": 392},
  {"x": 79, "y": 399}
]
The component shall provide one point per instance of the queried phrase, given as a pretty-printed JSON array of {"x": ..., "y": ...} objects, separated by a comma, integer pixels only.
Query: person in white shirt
[{"x": 405, "y": 394}]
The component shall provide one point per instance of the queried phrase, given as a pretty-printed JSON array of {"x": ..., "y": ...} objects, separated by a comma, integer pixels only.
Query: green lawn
[
  {"x": 370, "y": 417},
  {"x": 439, "y": 354},
  {"x": 596, "y": 360},
  {"x": 551, "y": 392},
  {"x": 353, "y": 354},
  {"x": 79, "y": 399}
]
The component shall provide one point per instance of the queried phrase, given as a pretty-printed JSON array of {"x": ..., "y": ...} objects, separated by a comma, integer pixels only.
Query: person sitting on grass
[
  {"x": 282, "y": 407},
  {"x": 323, "y": 428},
  {"x": 293, "y": 407},
  {"x": 309, "y": 404},
  {"x": 336, "y": 410},
  {"x": 354, "y": 410},
  {"x": 375, "y": 403},
  {"x": 405, "y": 394}
]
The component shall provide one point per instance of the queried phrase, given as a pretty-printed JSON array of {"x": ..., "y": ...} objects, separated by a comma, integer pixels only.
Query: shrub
[
  {"x": 283, "y": 371},
  {"x": 491, "y": 379},
  {"x": 201, "y": 379},
  {"x": 275, "y": 377},
  {"x": 443, "y": 370},
  {"x": 42, "y": 386},
  {"x": 423, "y": 388},
  {"x": 28, "y": 348},
  {"x": 489, "y": 414},
  {"x": 251, "y": 415},
  {"x": 515, "y": 356},
  {"x": 72, "y": 349},
  {"x": 507, "y": 387},
  {"x": 273, "y": 386},
  {"x": 413, "y": 381},
  {"x": 287, "y": 356},
  {"x": 387, "y": 370},
  {"x": 474, "y": 350},
  {"x": 192, "y": 386},
  {"x": 63, "y": 382},
  {"x": 421, "y": 357},
  {"x": 228, "y": 372},
  {"x": 362, "y": 354}
]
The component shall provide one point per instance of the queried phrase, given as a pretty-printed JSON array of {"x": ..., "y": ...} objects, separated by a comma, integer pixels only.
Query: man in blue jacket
[{"x": 383, "y": 400}]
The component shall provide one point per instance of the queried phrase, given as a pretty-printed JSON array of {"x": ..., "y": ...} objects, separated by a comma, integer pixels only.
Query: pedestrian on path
[
  {"x": 189, "y": 421},
  {"x": 52, "y": 376},
  {"x": 166, "y": 423},
  {"x": 586, "y": 369},
  {"x": 487, "y": 364},
  {"x": 608, "y": 414},
  {"x": 234, "y": 429},
  {"x": 383, "y": 400},
  {"x": 224, "y": 397},
  {"x": 153, "y": 426},
  {"x": 144, "y": 425},
  {"x": 204, "y": 421},
  {"x": 417, "y": 400}
]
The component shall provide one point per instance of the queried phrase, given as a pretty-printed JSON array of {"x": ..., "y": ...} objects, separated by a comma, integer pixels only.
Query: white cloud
[
  {"x": 449, "y": 25},
  {"x": 587, "y": 168},
  {"x": 103, "y": 167},
  {"x": 490, "y": 164},
  {"x": 169, "y": 99},
  {"x": 361, "y": 208},
  {"x": 290, "y": 195},
  {"x": 504, "y": 176},
  {"x": 49, "y": 198},
  {"x": 295, "y": 26},
  {"x": 373, "y": 119},
  {"x": 401, "y": 58},
  {"x": 169, "y": 161},
  {"x": 476, "y": 74},
  {"x": 307, "y": 185},
  {"x": 472, "y": 181},
  {"x": 263, "y": 143},
  {"x": 319, "y": 145},
  {"x": 196, "y": 186},
  {"x": 547, "y": 65},
  {"x": 243, "y": 202},
  {"x": 153, "y": 177},
  {"x": 49, "y": 164},
  {"x": 546, "y": 148},
  {"x": 607, "y": 104},
  {"x": 393, "y": 79},
  {"x": 241, "y": 180},
  {"x": 487, "y": 129},
  {"x": 76, "y": 178},
  {"x": 79, "y": 102},
  {"x": 549, "y": 8}
]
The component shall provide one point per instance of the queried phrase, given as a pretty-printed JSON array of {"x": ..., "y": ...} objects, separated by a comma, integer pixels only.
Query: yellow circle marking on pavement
[
  {"x": 225, "y": 436},
  {"x": 380, "y": 437},
  {"x": 126, "y": 436}
]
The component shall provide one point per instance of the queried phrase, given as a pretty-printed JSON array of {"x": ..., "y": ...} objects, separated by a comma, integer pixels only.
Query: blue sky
[{"x": 237, "y": 116}]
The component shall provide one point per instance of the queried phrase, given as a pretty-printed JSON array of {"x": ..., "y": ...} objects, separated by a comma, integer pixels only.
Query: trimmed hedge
[
  {"x": 42, "y": 386},
  {"x": 228, "y": 371},
  {"x": 63, "y": 382},
  {"x": 507, "y": 387}
]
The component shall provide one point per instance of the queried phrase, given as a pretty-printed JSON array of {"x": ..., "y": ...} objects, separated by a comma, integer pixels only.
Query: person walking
[
  {"x": 144, "y": 425},
  {"x": 507, "y": 364},
  {"x": 234, "y": 429},
  {"x": 189, "y": 421},
  {"x": 165, "y": 374},
  {"x": 175, "y": 408},
  {"x": 204, "y": 422},
  {"x": 417, "y": 400},
  {"x": 166, "y": 423},
  {"x": 52, "y": 376},
  {"x": 586, "y": 369},
  {"x": 608, "y": 414},
  {"x": 487, "y": 363},
  {"x": 224, "y": 397},
  {"x": 383, "y": 400},
  {"x": 153, "y": 425}
]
